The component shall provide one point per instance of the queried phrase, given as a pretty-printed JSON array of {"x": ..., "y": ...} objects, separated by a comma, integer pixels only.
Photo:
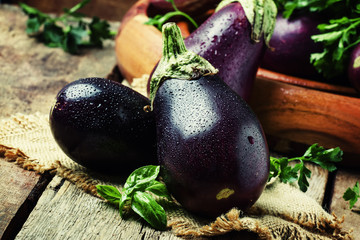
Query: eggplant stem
[{"x": 177, "y": 62}]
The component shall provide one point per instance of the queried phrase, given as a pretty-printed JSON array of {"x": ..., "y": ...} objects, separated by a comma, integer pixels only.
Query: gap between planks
[{"x": 20, "y": 191}]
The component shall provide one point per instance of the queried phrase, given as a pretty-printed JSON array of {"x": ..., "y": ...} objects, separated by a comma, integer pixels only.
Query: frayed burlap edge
[
  {"x": 80, "y": 179},
  {"x": 233, "y": 221}
]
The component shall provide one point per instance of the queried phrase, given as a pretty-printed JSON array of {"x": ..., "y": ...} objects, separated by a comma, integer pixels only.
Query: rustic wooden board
[
  {"x": 66, "y": 212},
  {"x": 340, "y": 207},
  {"x": 317, "y": 183},
  {"x": 16, "y": 184},
  {"x": 32, "y": 74}
]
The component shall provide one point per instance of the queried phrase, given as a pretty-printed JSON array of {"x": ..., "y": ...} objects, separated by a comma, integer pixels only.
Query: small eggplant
[
  {"x": 211, "y": 146},
  {"x": 233, "y": 41},
  {"x": 191, "y": 7},
  {"x": 354, "y": 68},
  {"x": 291, "y": 46},
  {"x": 101, "y": 125}
]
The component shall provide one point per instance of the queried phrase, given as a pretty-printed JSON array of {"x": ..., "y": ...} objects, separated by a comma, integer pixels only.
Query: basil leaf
[
  {"x": 141, "y": 178},
  {"x": 123, "y": 201},
  {"x": 110, "y": 193},
  {"x": 146, "y": 207},
  {"x": 158, "y": 189}
]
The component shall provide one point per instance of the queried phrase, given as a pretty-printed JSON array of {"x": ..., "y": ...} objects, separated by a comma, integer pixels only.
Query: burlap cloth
[{"x": 282, "y": 212}]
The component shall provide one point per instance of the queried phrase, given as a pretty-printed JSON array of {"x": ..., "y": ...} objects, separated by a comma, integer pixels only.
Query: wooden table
[{"x": 34, "y": 206}]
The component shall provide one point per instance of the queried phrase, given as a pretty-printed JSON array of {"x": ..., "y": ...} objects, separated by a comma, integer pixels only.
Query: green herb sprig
[
  {"x": 352, "y": 195},
  {"x": 325, "y": 158},
  {"x": 136, "y": 195},
  {"x": 159, "y": 20},
  {"x": 68, "y": 31},
  {"x": 339, "y": 33}
]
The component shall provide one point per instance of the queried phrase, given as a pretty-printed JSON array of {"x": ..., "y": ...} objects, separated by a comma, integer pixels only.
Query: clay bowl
[{"x": 294, "y": 112}]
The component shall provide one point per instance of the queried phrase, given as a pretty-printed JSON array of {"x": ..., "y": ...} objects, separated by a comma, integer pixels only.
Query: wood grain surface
[
  {"x": 66, "y": 212},
  {"x": 31, "y": 74},
  {"x": 16, "y": 185},
  {"x": 308, "y": 116},
  {"x": 340, "y": 207}
]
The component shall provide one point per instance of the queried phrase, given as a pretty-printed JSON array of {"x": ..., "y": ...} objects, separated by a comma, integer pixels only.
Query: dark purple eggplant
[
  {"x": 225, "y": 39},
  {"x": 211, "y": 146},
  {"x": 291, "y": 46},
  {"x": 192, "y": 7},
  {"x": 102, "y": 125},
  {"x": 354, "y": 68},
  {"x": 234, "y": 43}
]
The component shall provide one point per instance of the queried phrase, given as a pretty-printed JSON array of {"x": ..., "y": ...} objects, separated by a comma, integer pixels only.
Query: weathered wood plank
[
  {"x": 16, "y": 184},
  {"x": 66, "y": 212},
  {"x": 317, "y": 183},
  {"x": 340, "y": 207},
  {"x": 32, "y": 74}
]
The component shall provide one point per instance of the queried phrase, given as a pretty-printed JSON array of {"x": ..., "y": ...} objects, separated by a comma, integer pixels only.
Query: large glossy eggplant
[
  {"x": 211, "y": 146},
  {"x": 101, "y": 124},
  {"x": 233, "y": 41}
]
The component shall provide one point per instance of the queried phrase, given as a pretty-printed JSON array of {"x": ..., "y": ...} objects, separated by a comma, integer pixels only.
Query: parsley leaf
[
  {"x": 352, "y": 195},
  {"x": 339, "y": 33},
  {"x": 325, "y": 158},
  {"x": 67, "y": 31},
  {"x": 160, "y": 20},
  {"x": 136, "y": 195},
  {"x": 338, "y": 37}
]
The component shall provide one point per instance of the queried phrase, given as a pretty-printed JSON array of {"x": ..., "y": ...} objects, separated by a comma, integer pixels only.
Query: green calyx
[
  {"x": 177, "y": 62},
  {"x": 261, "y": 14}
]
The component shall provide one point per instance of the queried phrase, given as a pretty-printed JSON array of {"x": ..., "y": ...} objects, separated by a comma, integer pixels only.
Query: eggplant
[
  {"x": 234, "y": 43},
  {"x": 210, "y": 145},
  {"x": 225, "y": 40},
  {"x": 291, "y": 46},
  {"x": 353, "y": 70},
  {"x": 101, "y": 124},
  {"x": 191, "y": 7}
]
